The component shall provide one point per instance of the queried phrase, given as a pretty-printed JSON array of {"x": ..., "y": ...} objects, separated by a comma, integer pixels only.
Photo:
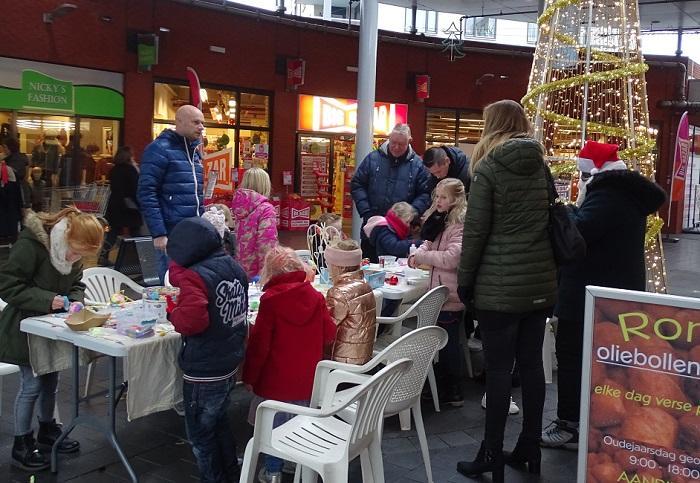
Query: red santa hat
[{"x": 595, "y": 157}]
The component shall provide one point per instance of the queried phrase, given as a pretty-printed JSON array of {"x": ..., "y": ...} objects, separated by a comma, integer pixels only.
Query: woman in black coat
[{"x": 123, "y": 212}]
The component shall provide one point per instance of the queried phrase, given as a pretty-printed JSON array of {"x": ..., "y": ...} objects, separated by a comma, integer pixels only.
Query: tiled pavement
[{"x": 156, "y": 446}]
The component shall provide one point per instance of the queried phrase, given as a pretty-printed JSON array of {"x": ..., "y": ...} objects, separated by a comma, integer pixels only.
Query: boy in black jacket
[{"x": 210, "y": 316}]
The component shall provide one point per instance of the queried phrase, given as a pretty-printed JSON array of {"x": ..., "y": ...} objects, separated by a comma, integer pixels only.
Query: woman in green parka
[
  {"x": 507, "y": 271},
  {"x": 43, "y": 267}
]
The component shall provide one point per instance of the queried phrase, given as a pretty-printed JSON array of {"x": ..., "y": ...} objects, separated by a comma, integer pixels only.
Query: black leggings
[
  {"x": 569, "y": 362},
  {"x": 509, "y": 337}
]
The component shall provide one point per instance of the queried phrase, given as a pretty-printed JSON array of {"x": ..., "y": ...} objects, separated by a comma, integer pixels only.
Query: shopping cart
[{"x": 90, "y": 198}]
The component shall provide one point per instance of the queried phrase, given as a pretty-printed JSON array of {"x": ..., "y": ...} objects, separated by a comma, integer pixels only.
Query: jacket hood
[
  {"x": 34, "y": 228},
  {"x": 245, "y": 201},
  {"x": 193, "y": 240},
  {"x": 289, "y": 290},
  {"x": 372, "y": 223},
  {"x": 646, "y": 194},
  {"x": 384, "y": 149},
  {"x": 174, "y": 138},
  {"x": 522, "y": 156}
]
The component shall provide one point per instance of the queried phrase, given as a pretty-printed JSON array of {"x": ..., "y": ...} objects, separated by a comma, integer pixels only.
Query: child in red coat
[{"x": 291, "y": 331}]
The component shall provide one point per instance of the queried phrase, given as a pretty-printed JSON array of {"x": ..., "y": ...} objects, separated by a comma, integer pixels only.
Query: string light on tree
[{"x": 587, "y": 82}]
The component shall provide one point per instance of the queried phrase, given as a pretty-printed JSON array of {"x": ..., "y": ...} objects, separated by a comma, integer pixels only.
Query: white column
[
  {"x": 366, "y": 82},
  {"x": 327, "y": 4}
]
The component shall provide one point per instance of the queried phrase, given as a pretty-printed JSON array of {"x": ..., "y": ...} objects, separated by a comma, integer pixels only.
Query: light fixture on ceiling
[
  {"x": 60, "y": 11},
  {"x": 164, "y": 29}
]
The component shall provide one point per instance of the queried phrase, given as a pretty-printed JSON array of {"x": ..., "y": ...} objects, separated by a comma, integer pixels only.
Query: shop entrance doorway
[{"x": 334, "y": 156}]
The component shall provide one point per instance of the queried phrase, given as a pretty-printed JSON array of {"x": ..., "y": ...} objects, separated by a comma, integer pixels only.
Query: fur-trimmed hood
[
  {"x": 35, "y": 227},
  {"x": 646, "y": 194}
]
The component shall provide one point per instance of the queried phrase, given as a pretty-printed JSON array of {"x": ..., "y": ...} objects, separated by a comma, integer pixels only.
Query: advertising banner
[
  {"x": 222, "y": 163},
  {"x": 680, "y": 161},
  {"x": 327, "y": 114},
  {"x": 640, "y": 394}
]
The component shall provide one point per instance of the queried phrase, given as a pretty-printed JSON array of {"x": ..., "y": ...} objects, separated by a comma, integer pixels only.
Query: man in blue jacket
[
  {"x": 447, "y": 162},
  {"x": 171, "y": 185},
  {"x": 392, "y": 173}
]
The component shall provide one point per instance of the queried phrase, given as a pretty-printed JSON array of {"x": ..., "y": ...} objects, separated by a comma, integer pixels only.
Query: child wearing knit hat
[{"x": 352, "y": 304}]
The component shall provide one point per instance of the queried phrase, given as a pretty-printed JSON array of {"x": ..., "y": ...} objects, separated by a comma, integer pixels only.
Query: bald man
[{"x": 171, "y": 183}]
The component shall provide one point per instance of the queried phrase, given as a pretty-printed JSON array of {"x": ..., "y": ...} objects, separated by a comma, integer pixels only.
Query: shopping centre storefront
[
  {"x": 326, "y": 145},
  {"x": 67, "y": 119},
  {"x": 237, "y": 119}
]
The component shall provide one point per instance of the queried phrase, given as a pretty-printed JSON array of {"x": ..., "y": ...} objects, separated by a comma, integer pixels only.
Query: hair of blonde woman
[
  {"x": 279, "y": 260},
  {"x": 454, "y": 189},
  {"x": 403, "y": 129},
  {"x": 226, "y": 211},
  {"x": 258, "y": 180},
  {"x": 85, "y": 232},
  {"x": 328, "y": 218},
  {"x": 405, "y": 211},
  {"x": 503, "y": 120}
]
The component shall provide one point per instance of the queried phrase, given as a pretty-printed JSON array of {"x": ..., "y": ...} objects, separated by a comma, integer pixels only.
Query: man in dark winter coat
[
  {"x": 392, "y": 173},
  {"x": 171, "y": 185},
  {"x": 613, "y": 207},
  {"x": 211, "y": 317},
  {"x": 447, "y": 162}
]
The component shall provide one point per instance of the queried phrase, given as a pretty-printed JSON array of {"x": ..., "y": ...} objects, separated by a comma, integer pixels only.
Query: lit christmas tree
[{"x": 587, "y": 82}]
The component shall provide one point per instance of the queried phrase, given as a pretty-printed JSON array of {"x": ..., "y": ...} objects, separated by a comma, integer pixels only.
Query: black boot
[
  {"x": 527, "y": 452},
  {"x": 487, "y": 460},
  {"x": 49, "y": 432},
  {"x": 25, "y": 454}
]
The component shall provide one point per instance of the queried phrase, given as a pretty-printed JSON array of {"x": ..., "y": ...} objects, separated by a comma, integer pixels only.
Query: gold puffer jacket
[{"x": 353, "y": 307}]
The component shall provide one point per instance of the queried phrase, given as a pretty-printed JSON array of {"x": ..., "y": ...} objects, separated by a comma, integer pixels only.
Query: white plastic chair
[
  {"x": 318, "y": 441},
  {"x": 419, "y": 346},
  {"x": 100, "y": 284},
  {"x": 426, "y": 309},
  {"x": 318, "y": 237}
]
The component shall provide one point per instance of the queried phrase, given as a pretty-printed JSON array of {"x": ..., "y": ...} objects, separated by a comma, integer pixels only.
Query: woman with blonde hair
[
  {"x": 507, "y": 271},
  {"x": 255, "y": 220},
  {"x": 41, "y": 276}
]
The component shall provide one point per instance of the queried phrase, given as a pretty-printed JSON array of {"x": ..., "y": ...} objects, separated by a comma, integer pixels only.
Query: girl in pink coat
[
  {"x": 255, "y": 220},
  {"x": 442, "y": 232}
]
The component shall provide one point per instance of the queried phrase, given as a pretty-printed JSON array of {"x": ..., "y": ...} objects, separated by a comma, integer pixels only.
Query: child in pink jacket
[
  {"x": 442, "y": 232},
  {"x": 255, "y": 220}
]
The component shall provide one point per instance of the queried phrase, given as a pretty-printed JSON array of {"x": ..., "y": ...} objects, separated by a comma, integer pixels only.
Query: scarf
[
  {"x": 397, "y": 225},
  {"x": 433, "y": 225},
  {"x": 59, "y": 247}
]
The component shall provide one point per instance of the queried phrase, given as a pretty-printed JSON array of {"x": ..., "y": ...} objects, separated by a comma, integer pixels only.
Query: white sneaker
[{"x": 513, "y": 409}]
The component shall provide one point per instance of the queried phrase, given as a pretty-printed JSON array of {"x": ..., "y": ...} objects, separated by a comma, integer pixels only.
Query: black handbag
[{"x": 568, "y": 244}]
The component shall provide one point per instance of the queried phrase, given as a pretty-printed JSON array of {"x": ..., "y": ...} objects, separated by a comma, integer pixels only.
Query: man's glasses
[{"x": 585, "y": 176}]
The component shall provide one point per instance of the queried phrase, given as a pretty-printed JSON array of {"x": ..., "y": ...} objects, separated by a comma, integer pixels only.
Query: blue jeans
[
  {"x": 274, "y": 464},
  {"x": 32, "y": 388},
  {"x": 209, "y": 431},
  {"x": 163, "y": 261}
]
